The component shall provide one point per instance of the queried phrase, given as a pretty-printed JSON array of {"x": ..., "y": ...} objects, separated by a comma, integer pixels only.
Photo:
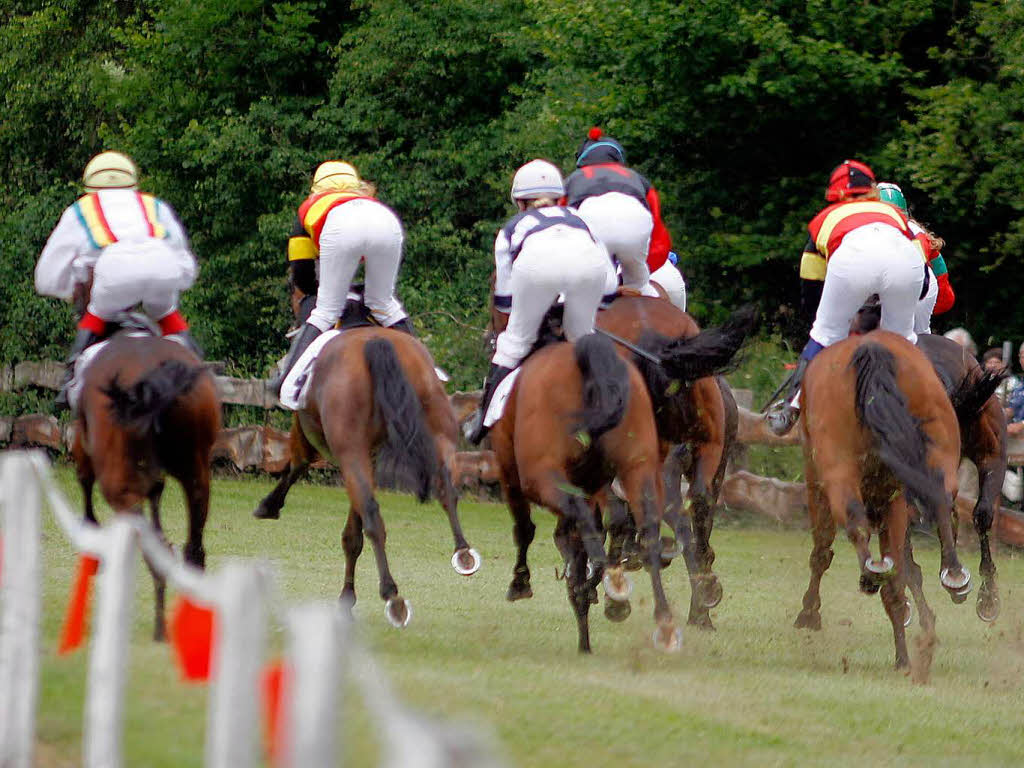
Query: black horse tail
[
  {"x": 711, "y": 352},
  {"x": 605, "y": 384},
  {"x": 140, "y": 406},
  {"x": 408, "y": 446},
  {"x": 900, "y": 440},
  {"x": 973, "y": 391}
]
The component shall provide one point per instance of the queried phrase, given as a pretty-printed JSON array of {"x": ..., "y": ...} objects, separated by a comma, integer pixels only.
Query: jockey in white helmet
[
  {"x": 544, "y": 250},
  {"x": 129, "y": 245}
]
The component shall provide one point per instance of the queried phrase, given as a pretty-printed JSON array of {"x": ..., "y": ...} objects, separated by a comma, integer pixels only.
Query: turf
[{"x": 755, "y": 692}]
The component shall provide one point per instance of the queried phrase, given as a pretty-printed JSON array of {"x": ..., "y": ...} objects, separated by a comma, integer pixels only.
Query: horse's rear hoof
[
  {"x": 668, "y": 638},
  {"x": 670, "y": 548},
  {"x": 399, "y": 612},
  {"x": 265, "y": 512},
  {"x": 879, "y": 567},
  {"x": 808, "y": 620},
  {"x": 869, "y": 583},
  {"x": 957, "y": 582},
  {"x": 617, "y": 611},
  {"x": 987, "y": 607},
  {"x": 711, "y": 592},
  {"x": 466, "y": 562},
  {"x": 617, "y": 584},
  {"x": 518, "y": 592}
]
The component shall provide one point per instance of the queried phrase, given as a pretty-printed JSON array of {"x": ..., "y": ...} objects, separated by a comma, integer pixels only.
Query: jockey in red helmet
[{"x": 857, "y": 246}]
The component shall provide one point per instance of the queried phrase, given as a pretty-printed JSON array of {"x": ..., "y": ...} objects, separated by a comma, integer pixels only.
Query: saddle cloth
[
  {"x": 295, "y": 389},
  {"x": 500, "y": 398}
]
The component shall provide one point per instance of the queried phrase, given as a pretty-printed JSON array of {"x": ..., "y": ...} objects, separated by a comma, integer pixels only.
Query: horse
[
  {"x": 697, "y": 423},
  {"x": 375, "y": 391},
  {"x": 879, "y": 432},
  {"x": 148, "y": 408},
  {"x": 983, "y": 441},
  {"x": 577, "y": 416}
]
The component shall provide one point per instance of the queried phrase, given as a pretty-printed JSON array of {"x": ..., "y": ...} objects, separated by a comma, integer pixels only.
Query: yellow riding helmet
[
  {"x": 111, "y": 170},
  {"x": 335, "y": 176}
]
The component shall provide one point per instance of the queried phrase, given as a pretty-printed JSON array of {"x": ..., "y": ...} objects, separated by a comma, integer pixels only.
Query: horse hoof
[
  {"x": 466, "y": 562},
  {"x": 987, "y": 607},
  {"x": 670, "y": 548},
  {"x": 591, "y": 570},
  {"x": 668, "y": 638},
  {"x": 632, "y": 561},
  {"x": 617, "y": 584},
  {"x": 879, "y": 567},
  {"x": 869, "y": 584},
  {"x": 711, "y": 593},
  {"x": 617, "y": 611},
  {"x": 908, "y": 615},
  {"x": 518, "y": 592},
  {"x": 958, "y": 584},
  {"x": 265, "y": 512},
  {"x": 808, "y": 620},
  {"x": 398, "y": 611}
]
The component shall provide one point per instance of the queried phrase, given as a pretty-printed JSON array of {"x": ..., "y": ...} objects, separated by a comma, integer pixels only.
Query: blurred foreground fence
[{"x": 321, "y": 650}]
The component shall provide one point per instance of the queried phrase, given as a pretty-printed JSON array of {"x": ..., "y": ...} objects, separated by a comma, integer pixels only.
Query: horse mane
[
  {"x": 139, "y": 407},
  {"x": 901, "y": 442}
]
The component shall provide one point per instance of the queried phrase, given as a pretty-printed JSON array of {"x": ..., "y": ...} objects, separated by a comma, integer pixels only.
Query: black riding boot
[
  {"x": 405, "y": 326},
  {"x": 495, "y": 376},
  {"x": 83, "y": 340},
  {"x": 188, "y": 342},
  {"x": 300, "y": 343},
  {"x": 783, "y": 415}
]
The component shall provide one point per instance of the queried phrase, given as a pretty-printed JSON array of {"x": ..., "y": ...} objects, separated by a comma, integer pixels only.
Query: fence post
[
  {"x": 20, "y": 601},
  {"x": 315, "y": 637},
  {"x": 110, "y": 651},
  {"x": 240, "y": 634}
]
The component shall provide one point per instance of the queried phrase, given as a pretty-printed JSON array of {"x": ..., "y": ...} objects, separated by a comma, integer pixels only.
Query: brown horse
[
  {"x": 697, "y": 424},
  {"x": 375, "y": 391},
  {"x": 148, "y": 409},
  {"x": 577, "y": 417},
  {"x": 879, "y": 433},
  {"x": 983, "y": 441}
]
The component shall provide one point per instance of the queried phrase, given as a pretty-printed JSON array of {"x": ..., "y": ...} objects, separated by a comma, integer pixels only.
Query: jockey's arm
[
  {"x": 302, "y": 256},
  {"x": 503, "y": 274},
  {"x": 55, "y": 273},
  {"x": 812, "y": 281},
  {"x": 661, "y": 241},
  {"x": 946, "y": 298},
  {"x": 178, "y": 237}
]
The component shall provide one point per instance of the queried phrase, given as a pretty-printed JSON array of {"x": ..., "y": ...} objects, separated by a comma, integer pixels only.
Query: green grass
[{"x": 756, "y": 692}]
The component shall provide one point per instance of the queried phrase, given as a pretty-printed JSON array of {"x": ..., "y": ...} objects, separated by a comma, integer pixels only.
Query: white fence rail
[{"x": 320, "y": 646}]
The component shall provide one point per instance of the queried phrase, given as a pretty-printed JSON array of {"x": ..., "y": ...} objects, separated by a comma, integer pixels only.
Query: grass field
[{"x": 755, "y": 692}]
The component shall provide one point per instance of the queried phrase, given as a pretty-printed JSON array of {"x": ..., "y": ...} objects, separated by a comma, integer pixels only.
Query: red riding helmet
[{"x": 850, "y": 177}]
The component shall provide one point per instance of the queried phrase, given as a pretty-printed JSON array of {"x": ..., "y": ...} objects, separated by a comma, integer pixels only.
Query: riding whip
[{"x": 630, "y": 346}]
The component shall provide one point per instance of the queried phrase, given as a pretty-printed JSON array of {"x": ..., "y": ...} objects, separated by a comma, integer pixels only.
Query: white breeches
[
  {"x": 557, "y": 260},
  {"x": 671, "y": 279},
  {"x": 150, "y": 272},
  {"x": 925, "y": 307},
  {"x": 360, "y": 230},
  {"x": 874, "y": 258},
  {"x": 624, "y": 225}
]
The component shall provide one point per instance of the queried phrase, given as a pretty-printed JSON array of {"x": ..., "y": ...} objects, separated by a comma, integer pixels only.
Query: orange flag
[
  {"x": 78, "y": 605},
  {"x": 275, "y": 688},
  {"x": 192, "y": 629}
]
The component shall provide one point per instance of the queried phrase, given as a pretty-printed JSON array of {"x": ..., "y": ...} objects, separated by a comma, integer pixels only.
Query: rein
[{"x": 630, "y": 346}]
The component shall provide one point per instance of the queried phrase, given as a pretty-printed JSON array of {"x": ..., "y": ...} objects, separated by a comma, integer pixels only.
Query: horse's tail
[
  {"x": 139, "y": 406},
  {"x": 605, "y": 384},
  {"x": 901, "y": 442},
  {"x": 408, "y": 445},
  {"x": 711, "y": 352},
  {"x": 973, "y": 391}
]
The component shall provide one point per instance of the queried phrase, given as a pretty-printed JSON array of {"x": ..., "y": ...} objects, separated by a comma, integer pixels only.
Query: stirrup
[
  {"x": 475, "y": 431},
  {"x": 781, "y": 417}
]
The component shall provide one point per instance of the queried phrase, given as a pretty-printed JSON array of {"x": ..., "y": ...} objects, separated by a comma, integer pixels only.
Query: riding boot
[
  {"x": 188, "y": 342},
  {"x": 495, "y": 376},
  {"x": 783, "y": 415},
  {"x": 300, "y": 343},
  {"x": 84, "y": 339},
  {"x": 405, "y": 326}
]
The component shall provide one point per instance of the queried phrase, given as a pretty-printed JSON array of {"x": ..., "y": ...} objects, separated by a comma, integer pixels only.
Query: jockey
[
  {"x": 131, "y": 248},
  {"x": 623, "y": 211},
  {"x": 544, "y": 250},
  {"x": 858, "y": 246},
  {"x": 939, "y": 297},
  {"x": 340, "y": 224}
]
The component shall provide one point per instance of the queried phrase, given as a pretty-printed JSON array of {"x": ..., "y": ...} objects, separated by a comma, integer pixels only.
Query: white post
[
  {"x": 20, "y": 600},
  {"x": 315, "y": 637},
  {"x": 109, "y": 653},
  {"x": 240, "y": 635}
]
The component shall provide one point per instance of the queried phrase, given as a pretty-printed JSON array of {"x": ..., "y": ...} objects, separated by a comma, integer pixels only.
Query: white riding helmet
[
  {"x": 335, "y": 176},
  {"x": 111, "y": 170},
  {"x": 538, "y": 178}
]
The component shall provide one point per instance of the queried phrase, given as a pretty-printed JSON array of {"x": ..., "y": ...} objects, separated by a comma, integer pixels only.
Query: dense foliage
[{"x": 736, "y": 109}]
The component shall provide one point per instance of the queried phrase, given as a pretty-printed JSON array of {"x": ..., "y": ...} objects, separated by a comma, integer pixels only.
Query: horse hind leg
[
  {"x": 570, "y": 544},
  {"x": 523, "y": 530},
  {"x": 197, "y": 495},
  {"x": 823, "y": 529},
  {"x": 990, "y": 478},
  {"x": 701, "y": 504},
  {"x": 302, "y": 455},
  {"x": 892, "y": 540},
  {"x": 352, "y": 545},
  {"x": 465, "y": 560},
  {"x": 914, "y": 579},
  {"x": 159, "y": 582},
  {"x": 667, "y": 636}
]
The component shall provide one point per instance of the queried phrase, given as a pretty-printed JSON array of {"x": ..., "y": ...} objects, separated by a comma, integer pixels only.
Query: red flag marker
[
  {"x": 192, "y": 639},
  {"x": 274, "y": 686},
  {"x": 78, "y": 605}
]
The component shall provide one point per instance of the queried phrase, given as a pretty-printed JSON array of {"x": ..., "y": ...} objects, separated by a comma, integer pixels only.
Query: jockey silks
[{"x": 313, "y": 213}]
